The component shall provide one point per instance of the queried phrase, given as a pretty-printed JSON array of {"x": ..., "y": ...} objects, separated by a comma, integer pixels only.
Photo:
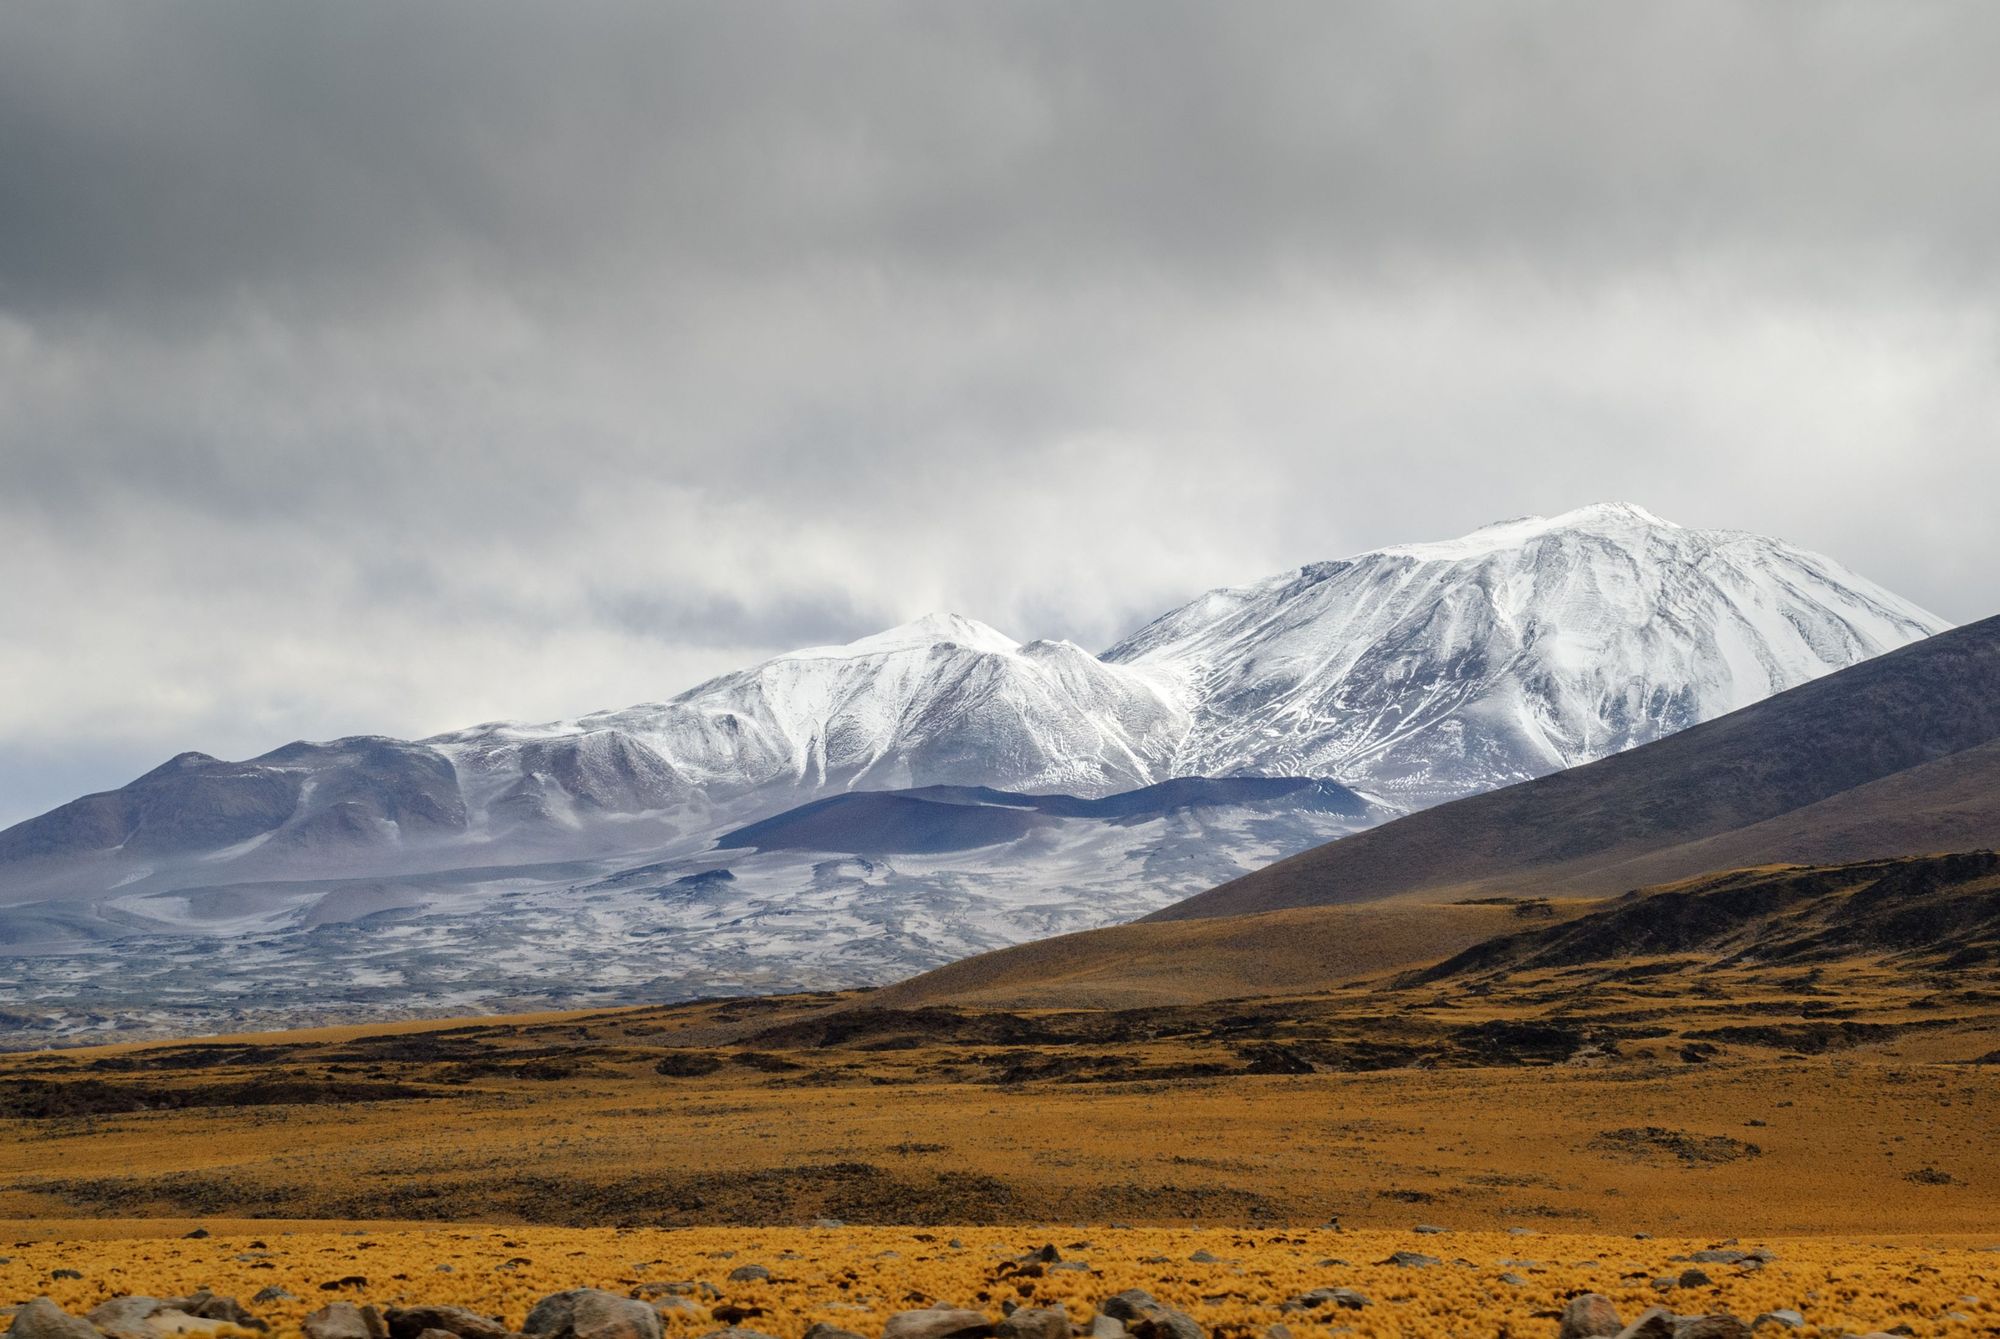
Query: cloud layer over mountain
[{"x": 378, "y": 368}]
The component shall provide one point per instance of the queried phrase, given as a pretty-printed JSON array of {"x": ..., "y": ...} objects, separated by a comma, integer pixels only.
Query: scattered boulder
[
  {"x": 591, "y": 1313},
  {"x": 1105, "y": 1327},
  {"x": 1694, "y": 1278},
  {"x": 1783, "y": 1317},
  {"x": 1654, "y": 1323},
  {"x": 1412, "y": 1260},
  {"x": 822, "y": 1330},
  {"x": 209, "y": 1306},
  {"x": 171, "y": 1320},
  {"x": 1589, "y": 1317},
  {"x": 1035, "y": 1323},
  {"x": 410, "y": 1322},
  {"x": 1145, "y": 1317},
  {"x": 345, "y": 1320},
  {"x": 1126, "y": 1305},
  {"x": 749, "y": 1274},
  {"x": 937, "y": 1323},
  {"x": 1429, "y": 1230},
  {"x": 43, "y": 1319},
  {"x": 273, "y": 1293},
  {"x": 125, "y": 1317}
]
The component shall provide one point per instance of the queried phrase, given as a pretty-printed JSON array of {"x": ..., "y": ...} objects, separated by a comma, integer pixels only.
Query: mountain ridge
[
  {"x": 1888, "y": 717},
  {"x": 1413, "y": 674}
]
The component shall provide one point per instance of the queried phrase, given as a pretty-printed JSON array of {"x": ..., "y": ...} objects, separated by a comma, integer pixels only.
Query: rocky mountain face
[
  {"x": 1426, "y": 672},
  {"x": 1897, "y": 756}
]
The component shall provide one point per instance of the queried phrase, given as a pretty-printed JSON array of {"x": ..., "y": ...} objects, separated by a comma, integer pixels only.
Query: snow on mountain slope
[
  {"x": 1424, "y": 672},
  {"x": 725, "y": 920},
  {"x": 944, "y": 700}
]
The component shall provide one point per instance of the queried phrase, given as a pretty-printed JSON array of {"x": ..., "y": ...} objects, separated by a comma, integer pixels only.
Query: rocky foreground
[
  {"x": 591, "y": 1313},
  {"x": 834, "y": 1282}
]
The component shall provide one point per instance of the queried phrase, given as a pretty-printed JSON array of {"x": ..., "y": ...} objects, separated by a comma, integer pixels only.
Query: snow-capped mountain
[
  {"x": 944, "y": 700},
  {"x": 1424, "y": 672},
  {"x": 1415, "y": 674},
  {"x": 1412, "y": 674}
]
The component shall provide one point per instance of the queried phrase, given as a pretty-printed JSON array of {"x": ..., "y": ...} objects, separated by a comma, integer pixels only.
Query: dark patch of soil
[
  {"x": 1652, "y": 1142},
  {"x": 45, "y": 1099},
  {"x": 854, "y": 1192},
  {"x": 1815, "y": 1038}
]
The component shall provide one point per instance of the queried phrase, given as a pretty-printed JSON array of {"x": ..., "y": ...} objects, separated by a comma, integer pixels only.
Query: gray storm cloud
[{"x": 374, "y": 367}]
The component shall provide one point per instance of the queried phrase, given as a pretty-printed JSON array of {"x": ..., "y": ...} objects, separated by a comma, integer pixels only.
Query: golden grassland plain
[
  {"x": 1846, "y": 1101},
  {"x": 855, "y": 1277}
]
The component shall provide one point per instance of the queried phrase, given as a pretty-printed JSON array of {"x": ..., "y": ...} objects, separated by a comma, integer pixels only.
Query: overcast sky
[{"x": 387, "y": 368}]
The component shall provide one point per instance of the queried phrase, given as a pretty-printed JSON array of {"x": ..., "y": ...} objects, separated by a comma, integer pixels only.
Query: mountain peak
[
  {"x": 1616, "y": 512},
  {"x": 933, "y": 629},
  {"x": 1616, "y": 520},
  {"x": 1424, "y": 671}
]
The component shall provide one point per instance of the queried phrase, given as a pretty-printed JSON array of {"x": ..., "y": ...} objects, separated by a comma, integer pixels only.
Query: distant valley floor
[{"x": 1549, "y": 1080}]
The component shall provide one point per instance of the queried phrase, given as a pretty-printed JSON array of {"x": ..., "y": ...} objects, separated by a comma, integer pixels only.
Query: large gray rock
[
  {"x": 409, "y": 1322},
  {"x": 591, "y": 1313},
  {"x": 1128, "y": 1305},
  {"x": 1033, "y": 1322},
  {"x": 1588, "y": 1317},
  {"x": 139, "y": 1317},
  {"x": 125, "y": 1317},
  {"x": 43, "y": 1319},
  {"x": 345, "y": 1320},
  {"x": 1783, "y": 1317},
  {"x": 1145, "y": 1317},
  {"x": 937, "y": 1323}
]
